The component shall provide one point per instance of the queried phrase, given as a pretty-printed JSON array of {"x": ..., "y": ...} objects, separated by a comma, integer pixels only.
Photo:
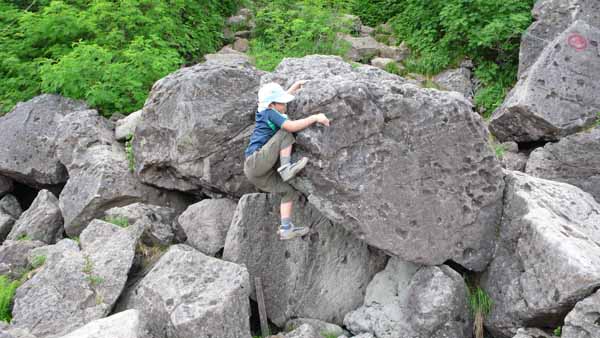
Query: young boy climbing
[{"x": 271, "y": 140}]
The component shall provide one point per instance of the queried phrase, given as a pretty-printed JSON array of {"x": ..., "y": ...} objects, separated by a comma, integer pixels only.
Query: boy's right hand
[{"x": 322, "y": 119}]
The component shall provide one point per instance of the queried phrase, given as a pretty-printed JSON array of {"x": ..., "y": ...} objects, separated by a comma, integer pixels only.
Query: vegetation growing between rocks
[
  {"x": 108, "y": 53},
  {"x": 129, "y": 152},
  {"x": 481, "y": 305},
  {"x": 123, "y": 222},
  {"x": 7, "y": 292}
]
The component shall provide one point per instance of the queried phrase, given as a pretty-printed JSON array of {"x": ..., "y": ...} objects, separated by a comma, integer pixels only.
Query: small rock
[
  {"x": 243, "y": 34},
  {"x": 396, "y": 53},
  {"x": 381, "y": 63},
  {"x": 13, "y": 257},
  {"x": 241, "y": 45},
  {"x": 584, "y": 320},
  {"x": 126, "y": 126},
  {"x": 320, "y": 326},
  {"x": 304, "y": 331},
  {"x": 43, "y": 220},
  {"x": 11, "y": 206},
  {"x": 366, "y": 30}
]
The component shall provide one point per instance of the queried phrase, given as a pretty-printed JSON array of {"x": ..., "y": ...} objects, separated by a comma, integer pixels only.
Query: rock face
[
  {"x": 43, "y": 220},
  {"x": 584, "y": 320},
  {"x": 551, "y": 18},
  {"x": 194, "y": 129},
  {"x": 13, "y": 257},
  {"x": 300, "y": 278},
  {"x": 10, "y": 210},
  {"x": 28, "y": 144},
  {"x": 433, "y": 304},
  {"x": 126, "y": 126},
  {"x": 190, "y": 295},
  {"x": 511, "y": 158},
  {"x": 206, "y": 223},
  {"x": 76, "y": 286},
  {"x": 532, "y": 333},
  {"x": 126, "y": 324},
  {"x": 559, "y": 94},
  {"x": 6, "y": 185},
  {"x": 547, "y": 257},
  {"x": 458, "y": 80},
  {"x": 99, "y": 177},
  {"x": 575, "y": 159},
  {"x": 380, "y": 169}
]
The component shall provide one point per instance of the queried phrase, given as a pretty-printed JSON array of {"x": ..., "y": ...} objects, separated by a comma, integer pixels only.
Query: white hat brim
[{"x": 285, "y": 98}]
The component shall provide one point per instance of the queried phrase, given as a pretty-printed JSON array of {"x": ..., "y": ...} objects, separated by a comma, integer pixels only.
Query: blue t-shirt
[{"x": 268, "y": 122}]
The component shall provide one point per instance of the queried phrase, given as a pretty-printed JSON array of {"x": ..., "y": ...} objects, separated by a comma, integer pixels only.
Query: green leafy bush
[
  {"x": 106, "y": 52},
  {"x": 295, "y": 29},
  {"x": 7, "y": 292},
  {"x": 374, "y": 12}
]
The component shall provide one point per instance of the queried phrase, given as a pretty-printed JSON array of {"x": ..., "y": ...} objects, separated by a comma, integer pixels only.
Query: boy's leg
[{"x": 259, "y": 163}]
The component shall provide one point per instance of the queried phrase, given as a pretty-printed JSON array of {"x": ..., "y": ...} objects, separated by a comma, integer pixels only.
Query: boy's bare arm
[{"x": 293, "y": 126}]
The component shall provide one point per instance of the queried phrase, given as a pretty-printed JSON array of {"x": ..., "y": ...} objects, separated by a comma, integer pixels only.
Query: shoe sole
[
  {"x": 293, "y": 235},
  {"x": 302, "y": 163}
]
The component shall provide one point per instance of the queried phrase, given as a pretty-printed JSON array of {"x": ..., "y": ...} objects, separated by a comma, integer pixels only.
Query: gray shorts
[{"x": 260, "y": 167}]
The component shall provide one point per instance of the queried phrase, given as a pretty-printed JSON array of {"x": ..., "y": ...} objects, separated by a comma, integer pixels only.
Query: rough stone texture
[
  {"x": 320, "y": 326},
  {"x": 584, "y": 320},
  {"x": 11, "y": 206},
  {"x": 190, "y": 295},
  {"x": 13, "y": 257},
  {"x": 547, "y": 257},
  {"x": 362, "y": 49},
  {"x": 241, "y": 45},
  {"x": 532, "y": 333},
  {"x": 559, "y": 95},
  {"x": 304, "y": 331},
  {"x": 228, "y": 55},
  {"x": 396, "y": 53},
  {"x": 391, "y": 284},
  {"x": 575, "y": 159},
  {"x": 9, "y": 332},
  {"x": 381, "y": 63},
  {"x": 193, "y": 129},
  {"x": 206, "y": 223},
  {"x": 161, "y": 227},
  {"x": 6, "y": 185},
  {"x": 126, "y": 324},
  {"x": 406, "y": 169},
  {"x": 99, "y": 175},
  {"x": 511, "y": 158},
  {"x": 300, "y": 277},
  {"x": 76, "y": 286},
  {"x": 458, "y": 80},
  {"x": 28, "y": 143},
  {"x": 6, "y": 224},
  {"x": 435, "y": 305},
  {"x": 43, "y": 220},
  {"x": 126, "y": 126},
  {"x": 551, "y": 18}
]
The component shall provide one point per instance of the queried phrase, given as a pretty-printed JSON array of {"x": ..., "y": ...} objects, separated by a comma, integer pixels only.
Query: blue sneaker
[{"x": 292, "y": 232}]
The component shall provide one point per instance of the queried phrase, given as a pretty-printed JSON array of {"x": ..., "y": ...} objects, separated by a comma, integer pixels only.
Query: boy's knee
[{"x": 289, "y": 196}]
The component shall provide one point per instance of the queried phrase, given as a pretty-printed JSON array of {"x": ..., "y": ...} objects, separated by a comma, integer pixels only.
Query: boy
[{"x": 271, "y": 140}]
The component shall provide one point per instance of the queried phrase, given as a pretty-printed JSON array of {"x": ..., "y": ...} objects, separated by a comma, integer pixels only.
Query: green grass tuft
[
  {"x": 7, "y": 292},
  {"x": 123, "y": 222}
]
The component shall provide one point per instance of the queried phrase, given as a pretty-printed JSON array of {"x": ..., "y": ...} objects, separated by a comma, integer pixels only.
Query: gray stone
[
  {"x": 559, "y": 95},
  {"x": 511, "y": 158},
  {"x": 243, "y": 34},
  {"x": 43, "y": 220},
  {"x": 362, "y": 49},
  {"x": 6, "y": 224},
  {"x": 6, "y": 185},
  {"x": 396, "y": 53},
  {"x": 391, "y": 284},
  {"x": 435, "y": 306},
  {"x": 458, "y": 80},
  {"x": 323, "y": 328},
  {"x": 381, "y": 62},
  {"x": 126, "y": 324},
  {"x": 193, "y": 126},
  {"x": 241, "y": 45},
  {"x": 188, "y": 294},
  {"x": 551, "y": 18},
  {"x": 406, "y": 169},
  {"x": 99, "y": 175},
  {"x": 10, "y": 332},
  {"x": 532, "y": 333},
  {"x": 547, "y": 257},
  {"x": 13, "y": 257},
  {"x": 28, "y": 144},
  {"x": 300, "y": 277},
  {"x": 10, "y": 206},
  {"x": 575, "y": 159},
  {"x": 206, "y": 223},
  {"x": 228, "y": 55},
  {"x": 304, "y": 331},
  {"x": 126, "y": 126},
  {"x": 76, "y": 286},
  {"x": 160, "y": 224},
  {"x": 584, "y": 320},
  {"x": 366, "y": 30}
]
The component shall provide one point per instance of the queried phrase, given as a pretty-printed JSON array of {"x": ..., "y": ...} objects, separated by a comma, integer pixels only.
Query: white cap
[{"x": 272, "y": 92}]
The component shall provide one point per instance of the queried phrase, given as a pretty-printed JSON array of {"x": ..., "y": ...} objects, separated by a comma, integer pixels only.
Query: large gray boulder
[
  {"x": 584, "y": 320},
  {"x": 99, "y": 177},
  {"x": 6, "y": 185},
  {"x": 551, "y": 18},
  {"x": 206, "y": 223},
  {"x": 43, "y": 220},
  {"x": 559, "y": 94},
  {"x": 195, "y": 125},
  {"x": 13, "y": 257},
  {"x": 301, "y": 277},
  {"x": 190, "y": 295},
  {"x": 548, "y": 255},
  {"x": 76, "y": 286},
  {"x": 575, "y": 159},
  {"x": 433, "y": 304},
  {"x": 28, "y": 143},
  {"x": 362, "y": 48},
  {"x": 406, "y": 169},
  {"x": 126, "y": 324}
]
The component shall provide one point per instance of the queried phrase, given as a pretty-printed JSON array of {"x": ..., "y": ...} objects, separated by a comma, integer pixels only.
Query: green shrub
[
  {"x": 373, "y": 12},
  {"x": 558, "y": 331},
  {"x": 295, "y": 29},
  {"x": 106, "y": 52},
  {"x": 129, "y": 152},
  {"x": 123, "y": 222},
  {"x": 38, "y": 261},
  {"x": 7, "y": 292}
]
